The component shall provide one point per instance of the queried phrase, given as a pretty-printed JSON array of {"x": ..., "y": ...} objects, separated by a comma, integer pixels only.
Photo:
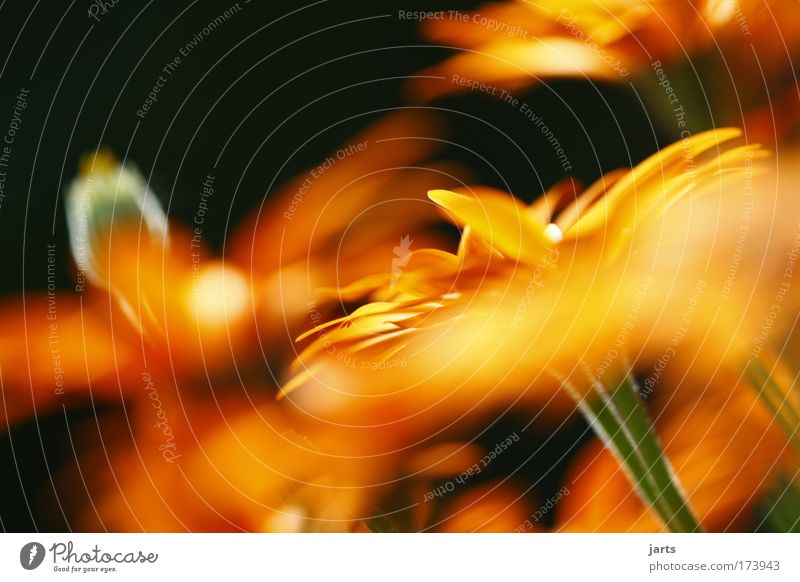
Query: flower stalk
[
  {"x": 773, "y": 385},
  {"x": 620, "y": 420}
]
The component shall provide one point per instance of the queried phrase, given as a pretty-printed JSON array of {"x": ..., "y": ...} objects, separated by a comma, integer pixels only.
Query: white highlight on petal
[
  {"x": 553, "y": 233},
  {"x": 720, "y": 12},
  {"x": 219, "y": 295},
  {"x": 289, "y": 519}
]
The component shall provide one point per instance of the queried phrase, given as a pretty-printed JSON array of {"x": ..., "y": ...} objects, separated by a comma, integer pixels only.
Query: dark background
[{"x": 252, "y": 93}]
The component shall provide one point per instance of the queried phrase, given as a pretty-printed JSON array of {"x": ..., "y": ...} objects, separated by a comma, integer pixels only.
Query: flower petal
[{"x": 500, "y": 220}]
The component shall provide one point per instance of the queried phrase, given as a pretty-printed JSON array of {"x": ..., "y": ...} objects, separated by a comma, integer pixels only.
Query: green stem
[
  {"x": 777, "y": 399},
  {"x": 622, "y": 423},
  {"x": 783, "y": 506}
]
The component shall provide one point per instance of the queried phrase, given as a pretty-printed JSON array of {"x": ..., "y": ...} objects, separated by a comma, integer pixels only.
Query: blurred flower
[
  {"x": 601, "y": 39},
  {"x": 250, "y": 466},
  {"x": 151, "y": 297},
  {"x": 240, "y": 470},
  {"x": 339, "y": 221},
  {"x": 53, "y": 350},
  {"x": 517, "y": 44},
  {"x": 173, "y": 333},
  {"x": 541, "y": 309},
  {"x": 495, "y": 507}
]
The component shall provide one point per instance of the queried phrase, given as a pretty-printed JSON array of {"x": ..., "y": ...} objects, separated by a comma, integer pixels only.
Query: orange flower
[
  {"x": 491, "y": 508},
  {"x": 55, "y": 348},
  {"x": 239, "y": 470},
  {"x": 517, "y": 44},
  {"x": 153, "y": 298},
  {"x": 162, "y": 320},
  {"x": 531, "y": 290},
  {"x": 339, "y": 221},
  {"x": 256, "y": 466}
]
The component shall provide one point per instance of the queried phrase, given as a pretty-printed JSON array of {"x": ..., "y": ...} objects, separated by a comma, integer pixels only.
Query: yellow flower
[{"x": 536, "y": 299}]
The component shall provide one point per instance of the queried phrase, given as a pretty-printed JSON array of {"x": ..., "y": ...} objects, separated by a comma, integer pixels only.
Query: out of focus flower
[
  {"x": 340, "y": 221},
  {"x": 245, "y": 470},
  {"x": 121, "y": 245},
  {"x": 262, "y": 467},
  {"x": 495, "y": 507},
  {"x": 519, "y": 44},
  {"x": 157, "y": 320},
  {"x": 53, "y": 347},
  {"x": 152, "y": 298}
]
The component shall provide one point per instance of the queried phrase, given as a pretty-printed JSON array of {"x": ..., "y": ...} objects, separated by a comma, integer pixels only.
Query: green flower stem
[
  {"x": 776, "y": 398},
  {"x": 783, "y": 507},
  {"x": 622, "y": 423}
]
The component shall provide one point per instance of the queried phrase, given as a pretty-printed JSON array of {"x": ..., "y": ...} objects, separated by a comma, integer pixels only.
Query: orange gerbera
[
  {"x": 531, "y": 288},
  {"x": 535, "y": 299}
]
